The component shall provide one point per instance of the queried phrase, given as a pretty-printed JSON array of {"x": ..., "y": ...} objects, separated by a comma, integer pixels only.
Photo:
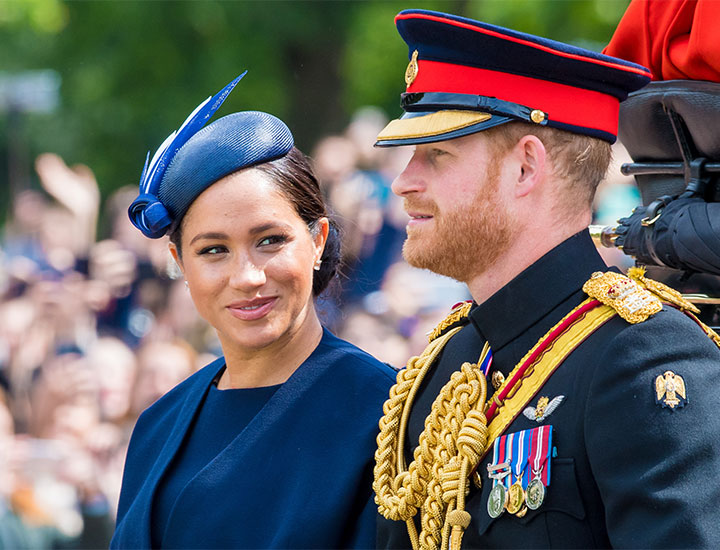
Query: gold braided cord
[{"x": 450, "y": 447}]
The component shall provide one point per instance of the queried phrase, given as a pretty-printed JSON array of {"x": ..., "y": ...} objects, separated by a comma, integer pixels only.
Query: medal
[
  {"x": 516, "y": 493},
  {"x": 515, "y": 497},
  {"x": 535, "y": 494},
  {"x": 525, "y": 458},
  {"x": 498, "y": 470},
  {"x": 496, "y": 500}
]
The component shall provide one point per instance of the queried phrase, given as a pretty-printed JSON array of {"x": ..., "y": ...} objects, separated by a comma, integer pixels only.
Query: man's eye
[{"x": 273, "y": 239}]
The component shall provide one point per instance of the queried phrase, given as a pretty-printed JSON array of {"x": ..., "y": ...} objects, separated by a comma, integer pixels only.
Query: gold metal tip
[
  {"x": 537, "y": 116},
  {"x": 702, "y": 299},
  {"x": 603, "y": 235}
]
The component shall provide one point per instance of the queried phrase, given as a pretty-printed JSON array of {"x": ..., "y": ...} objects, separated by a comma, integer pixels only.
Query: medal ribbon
[
  {"x": 500, "y": 452},
  {"x": 519, "y": 455},
  {"x": 541, "y": 443},
  {"x": 510, "y": 447},
  {"x": 487, "y": 363}
]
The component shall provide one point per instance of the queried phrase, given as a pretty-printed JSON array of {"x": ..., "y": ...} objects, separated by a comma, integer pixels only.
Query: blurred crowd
[{"x": 96, "y": 324}]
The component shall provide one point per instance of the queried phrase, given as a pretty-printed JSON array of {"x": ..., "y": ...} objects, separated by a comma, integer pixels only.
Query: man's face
[{"x": 460, "y": 223}]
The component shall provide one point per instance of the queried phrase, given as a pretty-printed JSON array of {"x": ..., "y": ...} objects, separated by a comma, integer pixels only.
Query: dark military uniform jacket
[{"x": 628, "y": 472}]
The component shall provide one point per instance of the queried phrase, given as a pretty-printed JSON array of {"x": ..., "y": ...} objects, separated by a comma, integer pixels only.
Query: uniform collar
[{"x": 524, "y": 301}]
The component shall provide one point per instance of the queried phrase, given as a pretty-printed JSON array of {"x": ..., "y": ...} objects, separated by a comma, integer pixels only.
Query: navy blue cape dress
[{"x": 298, "y": 475}]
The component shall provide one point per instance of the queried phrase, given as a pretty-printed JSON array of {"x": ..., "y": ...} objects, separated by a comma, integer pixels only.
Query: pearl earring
[
  {"x": 316, "y": 267},
  {"x": 187, "y": 285}
]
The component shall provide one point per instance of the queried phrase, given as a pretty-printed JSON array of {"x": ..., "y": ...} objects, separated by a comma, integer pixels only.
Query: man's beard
[{"x": 466, "y": 241}]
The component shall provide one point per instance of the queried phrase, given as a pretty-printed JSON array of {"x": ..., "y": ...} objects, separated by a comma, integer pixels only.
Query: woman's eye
[
  {"x": 212, "y": 250},
  {"x": 271, "y": 240}
]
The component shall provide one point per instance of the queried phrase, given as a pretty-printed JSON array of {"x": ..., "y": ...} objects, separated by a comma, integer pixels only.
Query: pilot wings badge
[
  {"x": 670, "y": 390},
  {"x": 544, "y": 408}
]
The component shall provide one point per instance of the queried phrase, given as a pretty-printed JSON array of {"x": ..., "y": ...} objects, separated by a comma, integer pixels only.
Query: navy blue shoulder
[
  {"x": 353, "y": 357},
  {"x": 671, "y": 325},
  {"x": 196, "y": 382},
  {"x": 668, "y": 340}
]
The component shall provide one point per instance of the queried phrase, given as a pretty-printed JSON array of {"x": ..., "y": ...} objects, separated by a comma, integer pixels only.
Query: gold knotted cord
[{"x": 450, "y": 448}]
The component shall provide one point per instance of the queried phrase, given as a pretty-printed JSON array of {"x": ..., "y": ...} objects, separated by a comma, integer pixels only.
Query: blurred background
[{"x": 94, "y": 323}]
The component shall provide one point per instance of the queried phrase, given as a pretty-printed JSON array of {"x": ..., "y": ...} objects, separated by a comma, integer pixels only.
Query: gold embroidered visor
[{"x": 427, "y": 127}]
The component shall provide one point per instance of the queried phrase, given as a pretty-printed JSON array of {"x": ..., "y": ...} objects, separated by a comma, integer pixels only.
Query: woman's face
[{"x": 248, "y": 260}]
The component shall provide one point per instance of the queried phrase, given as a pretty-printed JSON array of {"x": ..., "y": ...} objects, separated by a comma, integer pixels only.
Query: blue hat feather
[{"x": 194, "y": 156}]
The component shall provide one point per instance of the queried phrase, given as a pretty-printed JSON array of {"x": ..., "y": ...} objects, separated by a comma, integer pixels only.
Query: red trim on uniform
[
  {"x": 496, "y": 34},
  {"x": 563, "y": 103},
  {"x": 492, "y": 409}
]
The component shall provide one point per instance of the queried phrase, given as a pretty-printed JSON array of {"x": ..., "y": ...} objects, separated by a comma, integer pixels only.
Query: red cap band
[{"x": 563, "y": 104}]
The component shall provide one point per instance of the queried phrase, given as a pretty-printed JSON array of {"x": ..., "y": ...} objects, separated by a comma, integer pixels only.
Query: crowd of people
[{"x": 96, "y": 324}]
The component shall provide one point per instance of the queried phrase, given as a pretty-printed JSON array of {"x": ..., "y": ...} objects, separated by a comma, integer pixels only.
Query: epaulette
[
  {"x": 458, "y": 316},
  {"x": 662, "y": 291},
  {"x": 630, "y": 300}
]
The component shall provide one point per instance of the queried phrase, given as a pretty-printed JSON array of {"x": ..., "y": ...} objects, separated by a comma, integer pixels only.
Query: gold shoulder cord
[{"x": 450, "y": 447}]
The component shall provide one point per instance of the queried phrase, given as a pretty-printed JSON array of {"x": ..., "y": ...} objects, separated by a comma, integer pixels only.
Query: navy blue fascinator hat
[{"x": 195, "y": 156}]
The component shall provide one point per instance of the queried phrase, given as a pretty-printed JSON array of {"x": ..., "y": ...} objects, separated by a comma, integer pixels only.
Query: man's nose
[{"x": 410, "y": 179}]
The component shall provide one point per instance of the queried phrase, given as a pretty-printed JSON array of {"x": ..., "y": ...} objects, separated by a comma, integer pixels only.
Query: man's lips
[
  {"x": 417, "y": 218},
  {"x": 252, "y": 310}
]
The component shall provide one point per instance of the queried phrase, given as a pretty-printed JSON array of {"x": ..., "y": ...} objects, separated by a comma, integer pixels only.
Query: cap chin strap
[{"x": 436, "y": 101}]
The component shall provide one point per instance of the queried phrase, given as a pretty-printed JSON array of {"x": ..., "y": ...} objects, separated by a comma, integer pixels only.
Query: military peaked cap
[{"x": 466, "y": 76}]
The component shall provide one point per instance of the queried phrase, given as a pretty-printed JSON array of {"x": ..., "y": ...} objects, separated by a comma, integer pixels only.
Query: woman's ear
[
  {"x": 320, "y": 234},
  {"x": 175, "y": 253},
  {"x": 531, "y": 155}
]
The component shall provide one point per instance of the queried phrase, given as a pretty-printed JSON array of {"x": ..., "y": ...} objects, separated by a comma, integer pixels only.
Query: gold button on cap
[{"x": 537, "y": 116}]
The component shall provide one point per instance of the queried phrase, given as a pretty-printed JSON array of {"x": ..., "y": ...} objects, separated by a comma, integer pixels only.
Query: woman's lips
[{"x": 252, "y": 310}]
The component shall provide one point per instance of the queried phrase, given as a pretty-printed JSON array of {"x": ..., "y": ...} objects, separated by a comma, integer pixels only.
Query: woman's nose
[{"x": 247, "y": 275}]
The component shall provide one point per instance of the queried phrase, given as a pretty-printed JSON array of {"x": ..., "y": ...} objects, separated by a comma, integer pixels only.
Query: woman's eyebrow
[
  {"x": 209, "y": 235},
  {"x": 267, "y": 226},
  {"x": 262, "y": 228}
]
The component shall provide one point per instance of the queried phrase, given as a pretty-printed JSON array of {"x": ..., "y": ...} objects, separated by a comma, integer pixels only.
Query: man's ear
[{"x": 530, "y": 154}]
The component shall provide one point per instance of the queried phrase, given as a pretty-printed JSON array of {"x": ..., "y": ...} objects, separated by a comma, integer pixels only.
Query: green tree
[{"x": 131, "y": 71}]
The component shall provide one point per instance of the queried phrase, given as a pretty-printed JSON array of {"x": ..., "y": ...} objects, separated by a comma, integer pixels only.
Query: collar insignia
[
  {"x": 670, "y": 390},
  {"x": 458, "y": 315},
  {"x": 545, "y": 408},
  {"x": 412, "y": 69}
]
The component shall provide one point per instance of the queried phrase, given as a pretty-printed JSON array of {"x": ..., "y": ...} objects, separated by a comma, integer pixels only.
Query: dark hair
[{"x": 295, "y": 179}]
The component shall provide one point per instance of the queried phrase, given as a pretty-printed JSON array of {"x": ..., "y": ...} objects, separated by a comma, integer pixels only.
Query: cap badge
[
  {"x": 545, "y": 408},
  {"x": 412, "y": 69},
  {"x": 670, "y": 390}
]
